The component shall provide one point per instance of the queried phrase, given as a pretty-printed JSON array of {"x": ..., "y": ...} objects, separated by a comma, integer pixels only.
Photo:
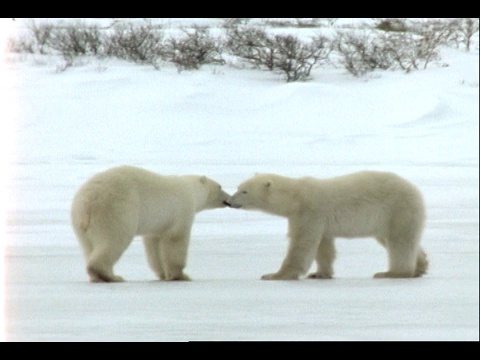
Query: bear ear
[{"x": 203, "y": 179}]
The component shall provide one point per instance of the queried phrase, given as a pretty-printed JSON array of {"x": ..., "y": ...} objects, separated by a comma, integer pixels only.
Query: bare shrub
[
  {"x": 252, "y": 44},
  {"x": 283, "y": 53},
  {"x": 34, "y": 41},
  {"x": 365, "y": 52},
  {"x": 192, "y": 50},
  {"x": 395, "y": 47},
  {"x": 403, "y": 49},
  {"x": 464, "y": 29},
  {"x": 41, "y": 34},
  {"x": 75, "y": 40},
  {"x": 295, "y": 58},
  {"x": 307, "y": 22},
  {"x": 362, "y": 53},
  {"x": 391, "y": 24},
  {"x": 433, "y": 34},
  {"x": 23, "y": 44},
  {"x": 232, "y": 23},
  {"x": 137, "y": 43}
]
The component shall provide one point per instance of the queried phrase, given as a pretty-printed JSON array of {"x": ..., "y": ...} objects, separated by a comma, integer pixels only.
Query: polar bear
[
  {"x": 114, "y": 206},
  {"x": 363, "y": 204}
]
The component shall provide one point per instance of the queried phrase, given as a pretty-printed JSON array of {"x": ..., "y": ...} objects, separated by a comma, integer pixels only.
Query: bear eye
[{"x": 243, "y": 192}]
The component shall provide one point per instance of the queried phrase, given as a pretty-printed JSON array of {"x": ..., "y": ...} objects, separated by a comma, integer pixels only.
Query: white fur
[
  {"x": 114, "y": 206},
  {"x": 364, "y": 204}
]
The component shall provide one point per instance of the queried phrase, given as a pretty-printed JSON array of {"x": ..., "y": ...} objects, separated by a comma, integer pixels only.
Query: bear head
[
  {"x": 215, "y": 196},
  {"x": 269, "y": 193}
]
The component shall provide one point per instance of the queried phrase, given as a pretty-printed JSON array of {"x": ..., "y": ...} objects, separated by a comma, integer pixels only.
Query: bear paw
[
  {"x": 319, "y": 276},
  {"x": 392, "y": 275},
  {"x": 180, "y": 277},
  {"x": 99, "y": 276},
  {"x": 115, "y": 278},
  {"x": 279, "y": 276}
]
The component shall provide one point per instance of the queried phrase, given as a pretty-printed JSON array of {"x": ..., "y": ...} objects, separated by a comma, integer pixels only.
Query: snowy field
[{"x": 227, "y": 123}]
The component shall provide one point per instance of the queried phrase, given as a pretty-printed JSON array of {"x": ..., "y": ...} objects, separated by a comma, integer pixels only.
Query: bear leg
[
  {"x": 99, "y": 274},
  {"x": 100, "y": 267},
  {"x": 402, "y": 256},
  {"x": 174, "y": 255},
  {"x": 152, "y": 250},
  {"x": 304, "y": 241},
  {"x": 422, "y": 263},
  {"x": 325, "y": 257},
  {"x": 103, "y": 257},
  {"x": 402, "y": 240}
]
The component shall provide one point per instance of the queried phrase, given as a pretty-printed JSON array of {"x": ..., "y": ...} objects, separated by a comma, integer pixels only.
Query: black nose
[{"x": 227, "y": 203}]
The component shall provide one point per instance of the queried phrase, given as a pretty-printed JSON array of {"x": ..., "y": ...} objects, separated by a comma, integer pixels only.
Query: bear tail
[
  {"x": 422, "y": 263},
  {"x": 80, "y": 217}
]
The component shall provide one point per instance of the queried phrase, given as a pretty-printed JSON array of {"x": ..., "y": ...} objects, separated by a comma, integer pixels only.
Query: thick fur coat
[
  {"x": 116, "y": 205},
  {"x": 364, "y": 204}
]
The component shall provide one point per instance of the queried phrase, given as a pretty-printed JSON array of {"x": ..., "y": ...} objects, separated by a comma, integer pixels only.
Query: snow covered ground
[{"x": 228, "y": 123}]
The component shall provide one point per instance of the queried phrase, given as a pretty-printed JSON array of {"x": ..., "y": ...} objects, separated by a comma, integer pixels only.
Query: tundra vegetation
[{"x": 274, "y": 45}]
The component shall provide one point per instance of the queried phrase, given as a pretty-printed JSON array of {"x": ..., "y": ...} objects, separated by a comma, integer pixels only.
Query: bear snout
[
  {"x": 230, "y": 203},
  {"x": 224, "y": 198}
]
